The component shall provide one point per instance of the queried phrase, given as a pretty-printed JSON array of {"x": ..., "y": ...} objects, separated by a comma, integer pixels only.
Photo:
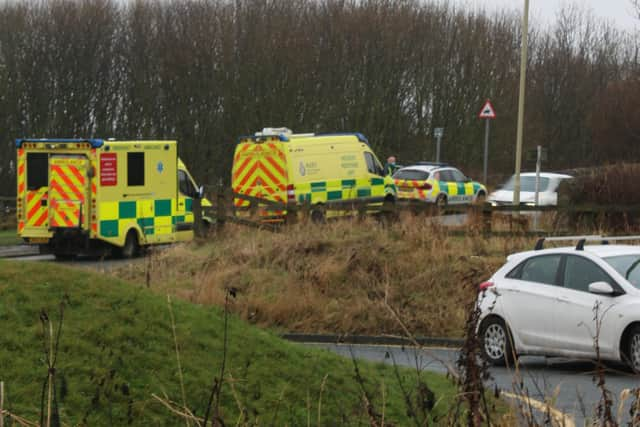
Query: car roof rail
[
  {"x": 604, "y": 240},
  {"x": 540, "y": 242}
]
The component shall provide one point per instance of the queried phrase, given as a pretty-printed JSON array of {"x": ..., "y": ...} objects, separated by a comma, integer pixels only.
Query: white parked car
[
  {"x": 542, "y": 302},
  {"x": 548, "y": 195}
]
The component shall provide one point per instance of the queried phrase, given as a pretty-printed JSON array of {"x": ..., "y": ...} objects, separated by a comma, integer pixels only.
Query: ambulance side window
[
  {"x": 184, "y": 183},
  {"x": 135, "y": 169},
  {"x": 37, "y": 170},
  {"x": 373, "y": 166}
]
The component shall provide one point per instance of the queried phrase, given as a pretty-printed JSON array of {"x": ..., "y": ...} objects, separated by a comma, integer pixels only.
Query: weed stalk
[{"x": 216, "y": 387}]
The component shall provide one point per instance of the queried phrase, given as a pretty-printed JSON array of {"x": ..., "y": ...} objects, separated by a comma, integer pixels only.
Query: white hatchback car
[
  {"x": 543, "y": 302},
  {"x": 547, "y": 190}
]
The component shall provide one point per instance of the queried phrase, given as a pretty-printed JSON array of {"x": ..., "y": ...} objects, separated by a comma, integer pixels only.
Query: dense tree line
[{"x": 207, "y": 71}]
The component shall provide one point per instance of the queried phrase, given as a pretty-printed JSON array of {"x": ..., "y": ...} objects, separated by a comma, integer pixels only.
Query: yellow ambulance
[
  {"x": 96, "y": 196},
  {"x": 283, "y": 169}
]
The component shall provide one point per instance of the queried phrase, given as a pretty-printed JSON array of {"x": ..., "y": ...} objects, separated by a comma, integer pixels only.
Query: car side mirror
[
  {"x": 601, "y": 288},
  {"x": 200, "y": 193}
]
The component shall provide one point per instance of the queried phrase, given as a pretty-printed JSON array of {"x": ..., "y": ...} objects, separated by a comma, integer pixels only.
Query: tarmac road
[{"x": 572, "y": 380}]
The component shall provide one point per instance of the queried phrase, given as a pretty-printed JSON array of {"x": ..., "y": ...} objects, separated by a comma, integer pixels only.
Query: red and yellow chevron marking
[
  {"x": 260, "y": 171},
  {"x": 21, "y": 187},
  {"x": 409, "y": 183},
  {"x": 94, "y": 193},
  {"x": 35, "y": 213},
  {"x": 412, "y": 188},
  {"x": 21, "y": 175},
  {"x": 66, "y": 184}
]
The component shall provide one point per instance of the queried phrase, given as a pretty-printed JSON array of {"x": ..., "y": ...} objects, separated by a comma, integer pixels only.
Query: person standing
[{"x": 390, "y": 167}]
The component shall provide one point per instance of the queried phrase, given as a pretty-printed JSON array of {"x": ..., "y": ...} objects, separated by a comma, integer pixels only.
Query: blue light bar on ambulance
[{"x": 95, "y": 143}]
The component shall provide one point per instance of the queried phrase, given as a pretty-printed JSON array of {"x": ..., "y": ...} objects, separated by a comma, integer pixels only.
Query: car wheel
[
  {"x": 441, "y": 201},
  {"x": 632, "y": 350},
  {"x": 495, "y": 339},
  {"x": 480, "y": 199}
]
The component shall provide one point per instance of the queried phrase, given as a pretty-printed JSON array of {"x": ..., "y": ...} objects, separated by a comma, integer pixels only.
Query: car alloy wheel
[
  {"x": 634, "y": 352},
  {"x": 495, "y": 341}
]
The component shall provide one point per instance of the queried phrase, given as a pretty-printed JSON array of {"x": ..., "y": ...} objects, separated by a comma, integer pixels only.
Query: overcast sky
[{"x": 619, "y": 12}]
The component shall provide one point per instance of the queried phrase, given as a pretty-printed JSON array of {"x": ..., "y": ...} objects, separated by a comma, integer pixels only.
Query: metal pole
[
  {"x": 438, "y": 149},
  {"x": 486, "y": 151},
  {"x": 1, "y": 403},
  {"x": 538, "y": 162},
  {"x": 523, "y": 75}
]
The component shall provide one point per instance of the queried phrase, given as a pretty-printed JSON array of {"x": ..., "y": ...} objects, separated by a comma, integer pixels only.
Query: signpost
[
  {"x": 488, "y": 113},
  {"x": 438, "y": 132}
]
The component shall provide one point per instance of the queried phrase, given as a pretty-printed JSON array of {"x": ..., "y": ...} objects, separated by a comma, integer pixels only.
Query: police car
[{"x": 437, "y": 183}]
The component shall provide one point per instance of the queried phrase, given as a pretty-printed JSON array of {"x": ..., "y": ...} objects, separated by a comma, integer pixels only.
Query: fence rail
[{"x": 564, "y": 217}]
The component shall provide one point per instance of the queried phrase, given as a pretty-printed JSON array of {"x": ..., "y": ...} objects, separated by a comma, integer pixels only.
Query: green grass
[
  {"x": 117, "y": 349},
  {"x": 9, "y": 237}
]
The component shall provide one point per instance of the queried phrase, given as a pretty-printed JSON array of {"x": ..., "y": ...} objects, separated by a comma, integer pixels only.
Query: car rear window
[
  {"x": 628, "y": 266},
  {"x": 540, "y": 269},
  {"x": 527, "y": 184},
  {"x": 411, "y": 175}
]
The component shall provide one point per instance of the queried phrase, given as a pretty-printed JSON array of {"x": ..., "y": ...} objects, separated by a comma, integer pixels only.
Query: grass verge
[
  {"x": 117, "y": 349},
  {"x": 340, "y": 277},
  {"x": 9, "y": 237}
]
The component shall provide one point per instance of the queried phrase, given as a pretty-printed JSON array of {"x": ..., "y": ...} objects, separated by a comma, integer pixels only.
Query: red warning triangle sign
[{"x": 487, "y": 111}]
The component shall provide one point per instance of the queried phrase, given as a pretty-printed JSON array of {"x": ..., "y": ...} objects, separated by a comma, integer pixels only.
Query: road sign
[
  {"x": 487, "y": 111},
  {"x": 438, "y": 132}
]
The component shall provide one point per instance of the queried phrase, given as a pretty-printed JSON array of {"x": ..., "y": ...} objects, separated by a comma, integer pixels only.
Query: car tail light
[
  {"x": 291, "y": 194},
  {"x": 485, "y": 285},
  {"x": 425, "y": 186}
]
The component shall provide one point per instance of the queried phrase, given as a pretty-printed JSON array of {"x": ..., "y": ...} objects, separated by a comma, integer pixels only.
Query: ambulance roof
[{"x": 95, "y": 143}]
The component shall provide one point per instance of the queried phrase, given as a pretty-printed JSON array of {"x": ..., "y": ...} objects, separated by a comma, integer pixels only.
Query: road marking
[{"x": 559, "y": 417}]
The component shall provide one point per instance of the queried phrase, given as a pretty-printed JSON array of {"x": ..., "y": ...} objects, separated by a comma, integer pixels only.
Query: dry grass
[
  {"x": 606, "y": 185},
  {"x": 333, "y": 277}
]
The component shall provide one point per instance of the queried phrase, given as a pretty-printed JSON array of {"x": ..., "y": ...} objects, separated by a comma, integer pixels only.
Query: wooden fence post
[
  {"x": 221, "y": 208},
  {"x": 487, "y": 217}
]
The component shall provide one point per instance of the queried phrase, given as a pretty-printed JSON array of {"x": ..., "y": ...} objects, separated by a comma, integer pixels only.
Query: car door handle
[{"x": 563, "y": 300}]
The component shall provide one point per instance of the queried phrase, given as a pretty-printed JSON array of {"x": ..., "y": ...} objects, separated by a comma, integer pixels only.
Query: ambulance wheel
[
  {"x": 131, "y": 246},
  {"x": 317, "y": 215}
]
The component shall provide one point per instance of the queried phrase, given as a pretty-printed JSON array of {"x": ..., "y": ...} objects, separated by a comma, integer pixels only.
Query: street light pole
[{"x": 523, "y": 75}]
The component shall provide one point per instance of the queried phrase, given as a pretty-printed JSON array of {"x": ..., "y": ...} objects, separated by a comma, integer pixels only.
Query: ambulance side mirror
[{"x": 200, "y": 192}]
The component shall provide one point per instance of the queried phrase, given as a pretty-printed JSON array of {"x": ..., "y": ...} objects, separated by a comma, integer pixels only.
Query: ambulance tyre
[
  {"x": 317, "y": 214},
  {"x": 131, "y": 247}
]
